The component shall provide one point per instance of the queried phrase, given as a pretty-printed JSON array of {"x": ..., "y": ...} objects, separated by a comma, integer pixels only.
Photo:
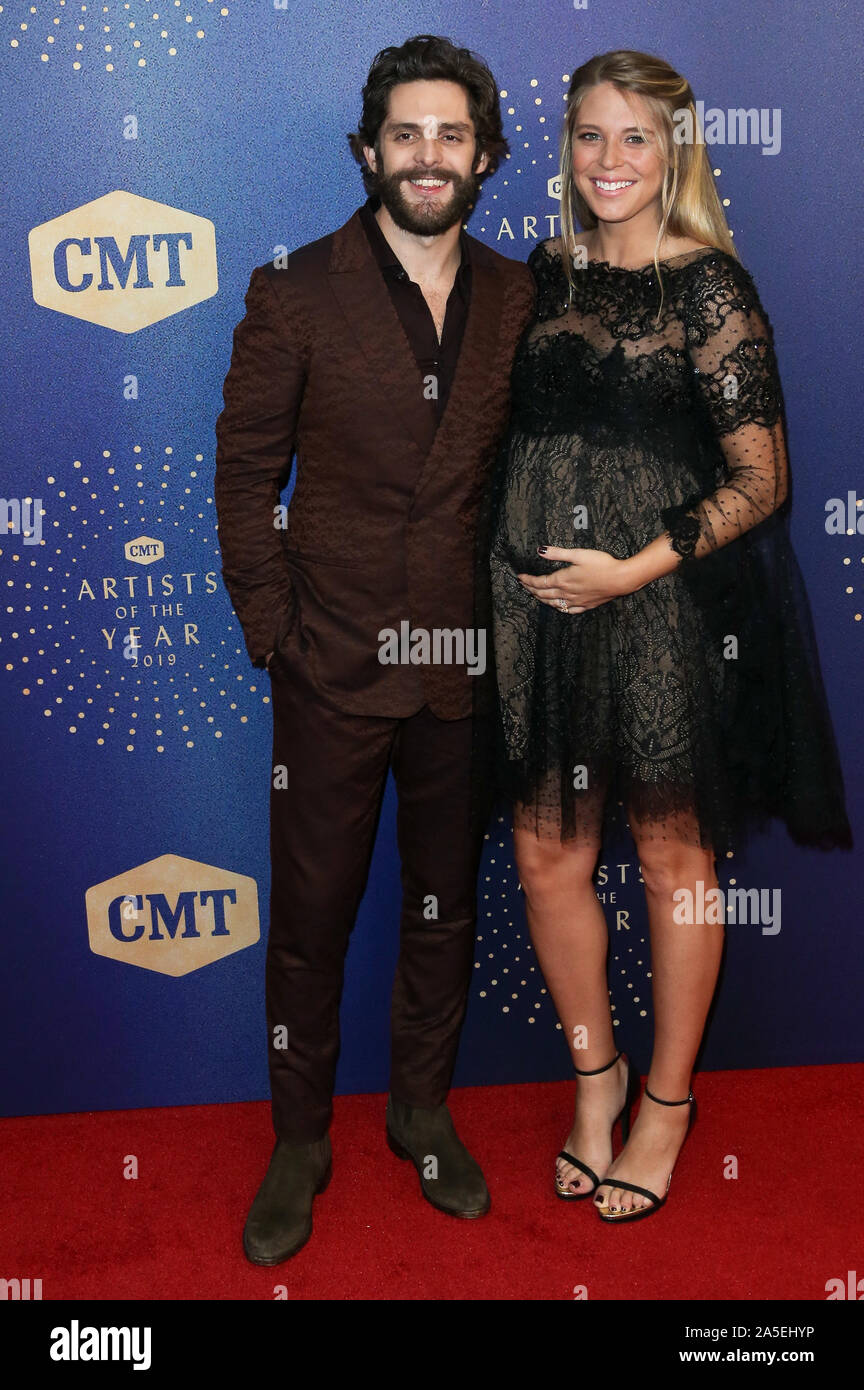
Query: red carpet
[{"x": 790, "y": 1221}]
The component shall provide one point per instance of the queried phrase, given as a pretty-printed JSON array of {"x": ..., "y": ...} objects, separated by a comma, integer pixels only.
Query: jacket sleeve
[
  {"x": 730, "y": 344},
  {"x": 255, "y": 436}
]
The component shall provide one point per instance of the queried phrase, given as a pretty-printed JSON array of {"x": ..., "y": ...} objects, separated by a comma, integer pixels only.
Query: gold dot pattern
[
  {"x": 116, "y": 37},
  {"x": 53, "y": 642}
]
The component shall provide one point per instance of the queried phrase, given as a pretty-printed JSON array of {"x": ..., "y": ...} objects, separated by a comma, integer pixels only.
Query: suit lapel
[
  {"x": 471, "y": 380},
  {"x": 365, "y": 300}
]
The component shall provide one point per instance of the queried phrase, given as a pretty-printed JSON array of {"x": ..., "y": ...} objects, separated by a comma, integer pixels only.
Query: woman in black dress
[{"x": 653, "y": 643}]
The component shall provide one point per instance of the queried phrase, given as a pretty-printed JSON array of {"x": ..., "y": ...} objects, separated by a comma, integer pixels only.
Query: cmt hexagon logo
[
  {"x": 144, "y": 550},
  {"x": 553, "y": 187},
  {"x": 172, "y": 915},
  {"x": 123, "y": 262}
]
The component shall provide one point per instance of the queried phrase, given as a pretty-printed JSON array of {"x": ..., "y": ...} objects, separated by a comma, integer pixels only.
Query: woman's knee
[
  {"x": 547, "y": 867},
  {"x": 667, "y": 866}
]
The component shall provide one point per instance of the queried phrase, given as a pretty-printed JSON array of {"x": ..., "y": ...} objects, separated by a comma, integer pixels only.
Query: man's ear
[
  {"x": 481, "y": 163},
  {"x": 369, "y": 155}
]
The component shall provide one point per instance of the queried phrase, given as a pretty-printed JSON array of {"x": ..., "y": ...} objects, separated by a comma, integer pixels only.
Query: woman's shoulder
[
  {"x": 716, "y": 300},
  {"x": 711, "y": 283},
  {"x": 546, "y": 253},
  {"x": 549, "y": 276},
  {"x": 703, "y": 264}
]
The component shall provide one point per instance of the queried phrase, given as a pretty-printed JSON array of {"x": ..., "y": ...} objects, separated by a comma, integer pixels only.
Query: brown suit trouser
[{"x": 322, "y": 832}]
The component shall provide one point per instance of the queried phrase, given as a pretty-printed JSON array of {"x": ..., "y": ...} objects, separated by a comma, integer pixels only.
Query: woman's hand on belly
[{"x": 591, "y": 577}]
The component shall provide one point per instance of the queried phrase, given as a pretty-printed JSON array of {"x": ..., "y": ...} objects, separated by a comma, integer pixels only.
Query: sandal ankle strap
[
  {"x": 597, "y": 1070},
  {"x": 686, "y": 1101}
]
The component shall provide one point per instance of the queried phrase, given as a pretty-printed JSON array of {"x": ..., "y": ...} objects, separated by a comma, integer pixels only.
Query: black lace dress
[{"x": 696, "y": 703}]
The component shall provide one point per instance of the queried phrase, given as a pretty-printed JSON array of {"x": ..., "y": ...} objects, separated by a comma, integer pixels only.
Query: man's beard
[{"x": 427, "y": 220}]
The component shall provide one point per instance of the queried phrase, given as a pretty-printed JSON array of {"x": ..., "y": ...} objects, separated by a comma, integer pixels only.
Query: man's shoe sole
[
  {"x": 401, "y": 1152},
  {"x": 286, "y": 1255}
]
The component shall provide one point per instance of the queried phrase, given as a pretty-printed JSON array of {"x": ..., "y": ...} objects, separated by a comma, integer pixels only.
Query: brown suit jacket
[{"x": 382, "y": 523}]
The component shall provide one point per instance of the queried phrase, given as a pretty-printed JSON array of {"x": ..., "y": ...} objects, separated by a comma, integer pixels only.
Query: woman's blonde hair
[{"x": 689, "y": 203}]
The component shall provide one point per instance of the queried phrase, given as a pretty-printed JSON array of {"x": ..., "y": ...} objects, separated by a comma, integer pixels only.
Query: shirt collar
[{"x": 383, "y": 251}]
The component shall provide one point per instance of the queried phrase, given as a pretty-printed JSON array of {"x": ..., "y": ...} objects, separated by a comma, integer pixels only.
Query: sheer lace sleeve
[{"x": 730, "y": 343}]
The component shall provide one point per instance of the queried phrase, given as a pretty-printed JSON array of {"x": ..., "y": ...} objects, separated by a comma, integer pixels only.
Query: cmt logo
[
  {"x": 144, "y": 550},
  {"x": 123, "y": 262},
  {"x": 172, "y": 915}
]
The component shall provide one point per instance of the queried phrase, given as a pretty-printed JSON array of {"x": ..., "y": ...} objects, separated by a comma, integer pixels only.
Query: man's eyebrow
[{"x": 417, "y": 125}]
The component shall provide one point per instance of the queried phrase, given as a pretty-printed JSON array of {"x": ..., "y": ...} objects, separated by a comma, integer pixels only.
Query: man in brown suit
[{"x": 380, "y": 354}]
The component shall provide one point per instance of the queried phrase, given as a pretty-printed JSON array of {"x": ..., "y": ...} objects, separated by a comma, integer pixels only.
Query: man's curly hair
[{"x": 429, "y": 58}]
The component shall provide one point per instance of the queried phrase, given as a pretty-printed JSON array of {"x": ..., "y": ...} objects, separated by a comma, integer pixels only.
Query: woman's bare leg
[
  {"x": 570, "y": 939},
  {"x": 685, "y": 961}
]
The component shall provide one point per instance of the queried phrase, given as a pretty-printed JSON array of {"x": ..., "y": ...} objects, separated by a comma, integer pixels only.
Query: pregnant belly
[
  {"x": 564, "y": 491},
  {"x": 554, "y": 493}
]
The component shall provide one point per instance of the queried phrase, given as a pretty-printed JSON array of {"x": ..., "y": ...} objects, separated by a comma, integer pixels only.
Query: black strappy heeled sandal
[
  {"x": 561, "y": 1188},
  {"x": 605, "y": 1213}
]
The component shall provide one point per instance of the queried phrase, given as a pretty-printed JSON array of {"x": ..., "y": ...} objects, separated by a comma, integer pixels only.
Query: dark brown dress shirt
[{"x": 434, "y": 359}]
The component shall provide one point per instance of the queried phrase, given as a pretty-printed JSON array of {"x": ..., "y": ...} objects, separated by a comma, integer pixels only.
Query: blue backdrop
[{"x": 238, "y": 116}]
